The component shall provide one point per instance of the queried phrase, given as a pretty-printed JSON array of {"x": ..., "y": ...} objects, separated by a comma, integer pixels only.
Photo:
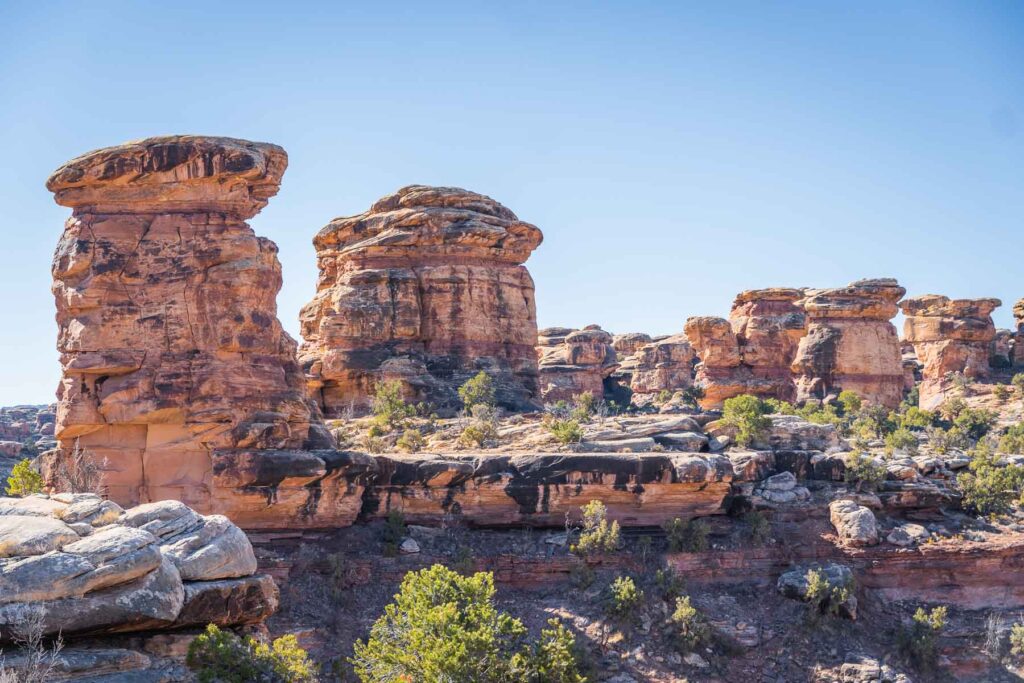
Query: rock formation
[
  {"x": 1001, "y": 349},
  {"x": 629, "y": 343},
  {"x": 426, "y": 287},
  {"x": 751, "y": 353},
  {"x": 85, "y": 565},
  {"x": 850, "y": 343},
  {"x": 664, "y": 365},
  {"x": 949, "y": 336},
  {"x": 168, "y": 332},
  {"x": 574, "y": 361},
  {"x": 1018, "y": 340}
]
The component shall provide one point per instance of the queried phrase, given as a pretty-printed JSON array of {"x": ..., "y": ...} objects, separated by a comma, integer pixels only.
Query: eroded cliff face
[
  {"x": 574, "y": 361},
  {"x": 949, "y": 336},
  {"x": 751, "y": 352},
  {"x": 426, "y": 287},
  {"x": 172, "y": 354},
  {"x": 663, "y": 365},
  {"x": 1018, "y": 342},
  {"x": 850, "y": 343}
]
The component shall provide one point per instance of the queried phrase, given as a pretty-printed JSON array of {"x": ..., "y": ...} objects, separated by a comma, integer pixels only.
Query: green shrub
[
  {"x": 411, "y": 441},
  {"x": 478, "y": 390},
  {"x": 483, "y": 428},
  {"x": 990, "y": 488},
  {"x": 1001, "y": 393},
  {"x": 24, "y": 481},
  {"x": 975, "y": 423},
  {"x": 692, "y": 396},
  {"x": 1018, "y": 383},
  {"x": 669, "y": 583},
  {"x": 218, "y": 656},
  {"x": 850, "y": 402},
  {"x": 565, "y": 431},
  {"x": 902, "y": 439},
  {"x": 1017, "y": 639},
  {"x": 824, "y": 597},
  {"x": 917, "y": 643},
  {"x": 394, "y": 532},
  {"x": 597, "y": 536},
  {"x": 915, "y": 418},
  {"x": 692, "y": 630},
  {"x": 689, "y": 536},
  {"x": 943, "y": 440},
  {"x": 442, "y": 626},
  {"x": 746, "y": 414},
  {"x": 390, "y": 410},
  {"x": 774, "y": 406},
  {"x": 585, "y": 406},
  {"x": 663, "y": 397},
  {"x": 759, "y": 528},
  {"x": 862, "y": 472},
  {"x": 625, "y": 598},
  {"x": 1012, "y": 441},
  {"x": 820, "y": 414}
]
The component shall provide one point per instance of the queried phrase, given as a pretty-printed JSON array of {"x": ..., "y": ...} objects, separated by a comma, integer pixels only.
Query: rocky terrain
[{"x": 789, "y": 493}]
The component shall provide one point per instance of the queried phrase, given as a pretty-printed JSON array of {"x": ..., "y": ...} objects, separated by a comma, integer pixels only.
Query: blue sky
[{"x": 674, "y": 154}]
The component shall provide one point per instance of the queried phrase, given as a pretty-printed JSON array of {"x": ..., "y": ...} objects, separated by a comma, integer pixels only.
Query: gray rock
[
  {"x": 409, "y": 547},
  {"x": 907, "y": 535},
  {"x": 93, "y": 510},
  {"x": 162, "y": 519},
  {"x": 793, "y": 584},
  {"x": 784, "y": 481},
  {"x": 854, "y": 523},
  {"x": 24, "y": 535},
  {"x": 213, "y": 549},
  {"x": 643, "y": 445},
  {"x": 687, "y": 441}
]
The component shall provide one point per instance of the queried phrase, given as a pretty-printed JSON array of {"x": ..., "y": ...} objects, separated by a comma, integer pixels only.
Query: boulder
[
  {"x": 908, "y": 535},
  {"x": 855, "y": 524},
  {"x": 427, "y": 287},
  {"x": 794, "y": 585},
  {"x": 123, "y": 575}
]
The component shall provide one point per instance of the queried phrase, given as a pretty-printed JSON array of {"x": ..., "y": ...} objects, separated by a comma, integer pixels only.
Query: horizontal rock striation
[
  {"x": 166, "y": 308},
  {"x": 850, "y": 343},
  {"x": 427, "y": 287},
  {"x": 574, "y": 361},
  {"x": 663, "y": 365},
  {"x": 949, "y": 336},
  {"x": 81, "y": 564}
]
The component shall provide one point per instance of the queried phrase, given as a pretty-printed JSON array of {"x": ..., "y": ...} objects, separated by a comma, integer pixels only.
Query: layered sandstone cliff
[
  {"x": 168, "y": 333},
  {"x": 1018, "y": 341},
  {"x": 427, "y": 287},
  {"x": 752, "y": 351},
  {"x": 850, "y": 343},
  {"x": 663, "y": 365},
  {"x": 574, "y": 361},
  {"x": 950, "y": 336}
]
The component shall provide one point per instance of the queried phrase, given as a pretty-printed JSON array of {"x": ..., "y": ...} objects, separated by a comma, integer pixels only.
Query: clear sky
[{"x": 673, "y": 153}]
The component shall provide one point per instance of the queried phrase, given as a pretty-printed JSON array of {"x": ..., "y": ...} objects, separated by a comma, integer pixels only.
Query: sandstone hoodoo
[
  {"x": 1018, "y": 341},
  {"x": 575, "y": 361},
  {"x": 950, "y": 336},
  {"x": 751, "y": 352},
  {"x": 166, "y": 307},
  {"x": 427, "y": 287},
  {"x": 851, "y": 343},
  {"x": 663, "y": 365}
]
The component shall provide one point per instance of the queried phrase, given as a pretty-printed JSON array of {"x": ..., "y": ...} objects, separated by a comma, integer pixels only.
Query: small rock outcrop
[
  {"x": 663, "y": 365},
  {"x": 426, "y": 287},
  {"x": 851, "y": 343},
  {"x": 166, "y": 307},
  {"x": 855, "y": 524},
  {"x": 1018, "y": 340},
  {"x": 574, "y": 361},
  {"x": 950, "y": 336},
  {"x": 629, "y": 343},
  {"x": 752, "y": 351},
  {"x": 81, "y": 564}
]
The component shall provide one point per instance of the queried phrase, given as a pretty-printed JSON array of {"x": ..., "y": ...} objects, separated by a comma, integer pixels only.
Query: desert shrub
[
  {"x": 1018, "y": 383},
  {"x": 822, "y": 596},
  {"x": 776, "y": 407},
  {"x": 1001, "y": 393},
  {"x": 990, "y": 487},
  {"x": 912, "y": 400},
  {"x": 758, "y": 527},
  {"x": 1012, "y": 441},
  {"x": 915, "y": 418},
  {"x": 390, "y": 411},
  {"x": 974, "y": 422},
  {"x": 862, "y": 472},
  {"x": 902, "y": 439},
  {"x": 746, "y": 414},
  {"x": 41, "y": 661},
  {"x": 692, "y": 629},
  {"x": 565, "y": 431},
  {"x": 1017, "y": 639},
  {"x": 943, "y": 440},
  {"x": 394, "y": 532},
  {"x": 24, "y": 481},
  {"x": 692, "y": 395},
  {"x": 871, "y": 422},
  {"x": 669, "y": 583},
  {"x": 917, "y": 643},
  {"x": 689, "y": 536},
  {"x": 411, "y": 441},
  {"x": 78, "y": 472},
  {"x": 477, "y": 391},
  {"x": 218, "y": 656},
  {"x": 597, "y": 535},
  {"x": 624, "y": 599},
  {"x": 643, "y": 547},
  {"x": 850, "y": 402},
  {"x": 442, "y": 626},
  {"x": 585, "y": 406},
  {"x": 482, "y": 429},
  {"x": 662, "y": 397},
  {"x": 373, "y": 444},
  {"x": 820, "y": 414}
]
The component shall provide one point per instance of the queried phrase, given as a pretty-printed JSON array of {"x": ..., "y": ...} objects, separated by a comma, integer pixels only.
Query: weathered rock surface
[
  {"x": 427, "y": 287},
  {"x": 168, "y": 330},
  {"x": 154, "y": 566},
  {"x": 949, "y": 336},
  {"x": 539, "y": 489},
  {"x": 1018, "y": 340},
  {"x": 794, "y": 584},
  {"x": 663, "y": 365},
  {"x": 855, "y": 524},
  {"x": 629, "y": 343},
  {"x": 574, "y": 361},
  {"x": 850, "y": 343},
  {"x": 751, "y": 353}
]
